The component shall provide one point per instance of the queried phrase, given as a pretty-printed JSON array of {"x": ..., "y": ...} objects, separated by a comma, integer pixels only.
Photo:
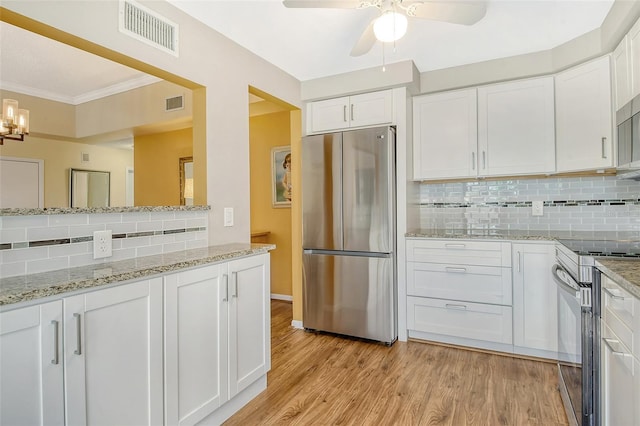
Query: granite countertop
[
  {"x": 93, "y": 210},
  {"x": 625, "y": 272},
  {"x": 516, "y": 234},
  {"x": 30, "y": 287}
]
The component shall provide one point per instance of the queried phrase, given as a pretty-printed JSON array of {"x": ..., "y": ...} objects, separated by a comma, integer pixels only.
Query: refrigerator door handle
[{"x": 348, "y": 253}]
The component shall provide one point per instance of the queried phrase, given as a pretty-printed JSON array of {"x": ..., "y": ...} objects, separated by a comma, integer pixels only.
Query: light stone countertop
[
  {"x": 25, "y": 288},
  {"x": 516, "y": 234},
  {"x": 94, "y": 210},
  {"x": 625, "y": 272}
]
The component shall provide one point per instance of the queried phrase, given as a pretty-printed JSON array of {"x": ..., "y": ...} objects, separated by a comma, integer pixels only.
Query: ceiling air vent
[
  {"x": 147, "y": 26},
  {"x": 172, "y": 104}
]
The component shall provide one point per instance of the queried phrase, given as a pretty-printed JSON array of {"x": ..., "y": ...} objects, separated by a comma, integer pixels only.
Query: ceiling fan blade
[
  {"x": 455, "y": 12},
  {"x": 365, "y": 43},
  {"x": 325, "y": 4}
]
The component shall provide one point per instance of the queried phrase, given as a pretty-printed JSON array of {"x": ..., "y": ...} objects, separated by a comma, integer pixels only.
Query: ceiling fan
[{"x": 391, "y": 25}]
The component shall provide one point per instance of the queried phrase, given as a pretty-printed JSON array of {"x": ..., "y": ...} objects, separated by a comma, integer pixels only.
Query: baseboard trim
[
  {"x": 285, "y": 297},
  {"x": 297, "y": 324}
]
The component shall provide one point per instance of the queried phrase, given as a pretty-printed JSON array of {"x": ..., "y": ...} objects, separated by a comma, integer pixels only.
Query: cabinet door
[
  {"x": 195, "y": 344},
  {"x": 535, "y": 315},
  {"x": 516, "y": 133},
  {"x": 445, "y": 135},
  {"x": 621, "y": 73},
  {"x": 619, "y": 381},
  {"x": 113, "y": 355},
  {"x": 31, "y": 380},
  {"x": 330, "y": 114},
  {"x": 634, "y": 59},
  {"x": 371, "y": 108},
  {"x": 583, "y": 117},
  {"x": 249, "y": 321}
]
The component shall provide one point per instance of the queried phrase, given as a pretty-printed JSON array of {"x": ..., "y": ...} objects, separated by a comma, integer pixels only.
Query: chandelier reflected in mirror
[{"x": 14, "y": 123}]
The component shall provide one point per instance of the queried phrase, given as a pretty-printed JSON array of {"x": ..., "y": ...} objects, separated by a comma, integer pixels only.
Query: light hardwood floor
[{"x": 319, "y": 379}]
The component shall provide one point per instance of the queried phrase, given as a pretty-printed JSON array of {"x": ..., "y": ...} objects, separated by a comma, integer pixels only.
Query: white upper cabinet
[
  {"x": 351, "y": 111},
  {"x": 445, "y": 134},
  {"x": 621, "y": 74},
  {"x": 634, "y": 58},
  {"x": 626, "y": 67},
  {"x": 516, "y": 133},
  {"x": 583, "y": 117}
]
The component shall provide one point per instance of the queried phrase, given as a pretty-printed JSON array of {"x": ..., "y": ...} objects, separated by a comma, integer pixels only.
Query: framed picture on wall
[{"x": 281, "y": 176}]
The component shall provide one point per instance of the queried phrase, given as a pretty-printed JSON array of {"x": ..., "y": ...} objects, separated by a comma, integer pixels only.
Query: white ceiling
[
  {"x": 306, "y": 43},
  {"x": 313, "y": 43}
]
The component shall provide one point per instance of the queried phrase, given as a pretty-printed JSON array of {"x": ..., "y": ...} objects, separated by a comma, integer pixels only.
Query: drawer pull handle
[
  {"x": 456, "y": 270},
  {"x": 234, "y": 279},
  {"x": 456, "y": 306},
  {"x": 226, "y": 288},
  {"x": 604, "y": 151},
  {"x": 612, "y": 294},
  {"x": 455, "y": 246},
  {"x": 608, "y": 342}
]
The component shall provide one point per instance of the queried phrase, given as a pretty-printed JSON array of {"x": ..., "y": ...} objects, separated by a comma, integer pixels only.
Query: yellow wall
[
  {"x": 157, "y": 167},
  {"x": 59, "y": 156},
  {"x": 265, "y": 132}
]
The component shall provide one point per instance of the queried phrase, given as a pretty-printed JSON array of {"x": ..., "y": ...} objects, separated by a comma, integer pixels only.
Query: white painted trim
[
  {"x": 284, "y": 297},
  {"x": 297, "y": 324}
]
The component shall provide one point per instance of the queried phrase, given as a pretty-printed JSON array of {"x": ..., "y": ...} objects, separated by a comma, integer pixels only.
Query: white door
[
  {"x": 21, "y": 182},
  {"x": 535, "y": 313},
  {"x": 516, "y": 132},
  {"x": 195, "y": 344},
  {"x": 249, "y": 321},
  {"x": 31, "y": 379},
  {"x": 583, "y": 117},
  {"x": 445, "y": 135},
  {"x": 113, "y": 355}
]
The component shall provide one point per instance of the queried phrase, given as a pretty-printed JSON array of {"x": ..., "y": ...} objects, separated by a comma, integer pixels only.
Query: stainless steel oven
[
  {"x": 579, "y": 322},
  {"x": 576, "y": 341}
]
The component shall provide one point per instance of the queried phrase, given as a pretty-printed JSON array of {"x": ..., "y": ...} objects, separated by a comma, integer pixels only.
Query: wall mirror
[
  {"x": 186, "y": 181},
  {"x": 71, "y": 129},
  {"x": 89, "y": 188}
]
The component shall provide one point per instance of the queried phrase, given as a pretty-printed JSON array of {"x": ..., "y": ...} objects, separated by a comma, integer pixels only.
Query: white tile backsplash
[
  {"x": 465, "y": 205},
  {"x": 19, "y": 230}
]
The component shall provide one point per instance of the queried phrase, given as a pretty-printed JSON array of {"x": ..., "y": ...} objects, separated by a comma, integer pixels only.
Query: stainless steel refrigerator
[{"x": 349, "y": 204}]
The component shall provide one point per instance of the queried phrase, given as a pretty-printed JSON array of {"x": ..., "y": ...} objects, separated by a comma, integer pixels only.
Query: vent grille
[
  {"x": 172, "y": 104},
  {"x": 147, "y": 26}
]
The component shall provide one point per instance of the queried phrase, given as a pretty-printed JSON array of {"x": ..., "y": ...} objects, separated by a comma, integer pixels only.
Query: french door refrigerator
[{"x": 349, "y": 204}]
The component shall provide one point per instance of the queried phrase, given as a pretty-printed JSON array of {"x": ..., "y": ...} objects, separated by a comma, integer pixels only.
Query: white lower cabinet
[
  {"x": 31, "y": 384},
  {"x": 113, "y": 355},
  {"x": 118, "y": 356},
  {"x": 217, "y": 333},
  {"x": 535, "y": 314},
  {"x": 619, "y": 356}
]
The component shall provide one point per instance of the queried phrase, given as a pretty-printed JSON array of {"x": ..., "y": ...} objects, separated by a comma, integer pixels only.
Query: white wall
[{"x": 206, "y": 58}]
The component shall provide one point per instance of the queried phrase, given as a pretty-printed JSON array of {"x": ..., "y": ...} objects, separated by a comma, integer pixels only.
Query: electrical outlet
[
  {"x": 228, "y": 216},
  {"x": 102, "y": 246},
  {"x": 537, "y": 208}
]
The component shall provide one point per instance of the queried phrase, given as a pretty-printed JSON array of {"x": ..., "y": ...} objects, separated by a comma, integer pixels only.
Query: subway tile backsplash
[
  {"x": 41, "y": 243},
  {"x": 570, "y": 204}
]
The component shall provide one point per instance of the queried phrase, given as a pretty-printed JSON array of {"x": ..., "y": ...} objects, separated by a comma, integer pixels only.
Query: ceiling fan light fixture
[{"x": 391, "y": 26}]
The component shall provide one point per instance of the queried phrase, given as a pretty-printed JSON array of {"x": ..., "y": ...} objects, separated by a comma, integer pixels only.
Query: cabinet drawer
[
  {"x": 462, "y": 252},
  {"x": 482, "y": 284},
  {"x": 617, "y": 301},
  {"x": 460, "y": 319}
]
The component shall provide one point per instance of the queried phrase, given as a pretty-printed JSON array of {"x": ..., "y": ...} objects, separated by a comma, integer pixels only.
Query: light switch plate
[
  {"x": 537, "y": 208},
  {"x": 102, "y": 246},
  {"x": 228, "y": 216}
]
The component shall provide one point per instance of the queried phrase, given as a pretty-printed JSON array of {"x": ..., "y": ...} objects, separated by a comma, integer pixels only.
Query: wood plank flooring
[{"x": 319, "y": 379}]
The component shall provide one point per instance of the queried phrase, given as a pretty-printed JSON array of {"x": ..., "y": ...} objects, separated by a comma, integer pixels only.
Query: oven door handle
[{"x": 565, "y": 282}]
